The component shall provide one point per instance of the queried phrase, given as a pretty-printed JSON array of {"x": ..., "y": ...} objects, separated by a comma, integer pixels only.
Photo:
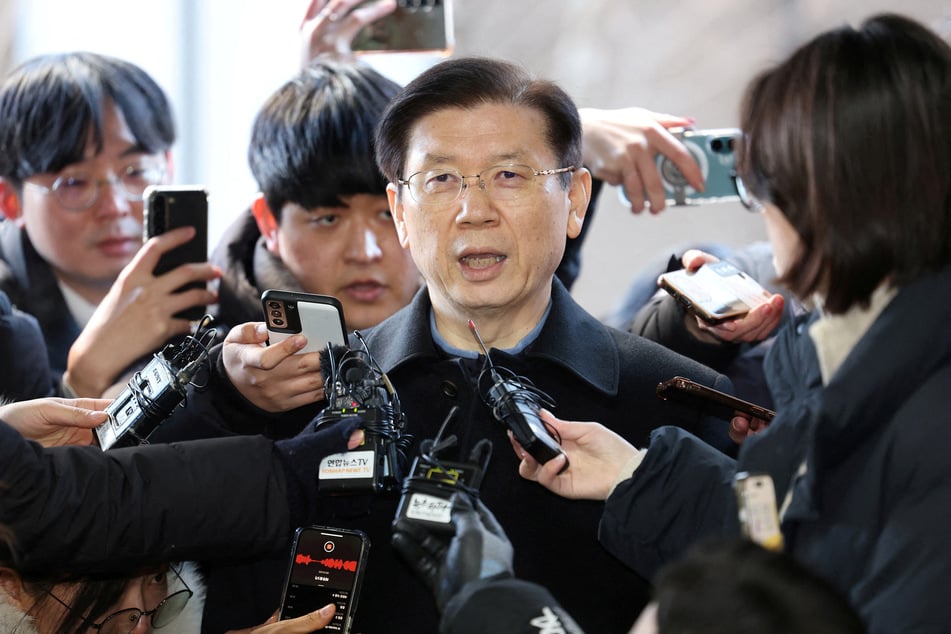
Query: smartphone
[
  {"x": 169, "y": 207},
  {"x": 709, "y": 400},
  {"x": 327, "y": 566},
  {"x": 415, "y": 26},
  {"x": 715, "y": 292},
  {"x": 317, "y": 317},
  {"x": 714, "y": 151},
  {"x": 758, "y": 513}
]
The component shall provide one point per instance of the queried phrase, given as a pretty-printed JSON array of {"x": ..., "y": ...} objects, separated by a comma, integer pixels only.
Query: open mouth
[{"x": 481, "y": 261}]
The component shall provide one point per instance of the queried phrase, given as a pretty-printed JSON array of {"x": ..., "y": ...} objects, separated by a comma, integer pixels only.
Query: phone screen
[
  {"x": 326, "y": 567},
  {"x": 415, "y": 25}
]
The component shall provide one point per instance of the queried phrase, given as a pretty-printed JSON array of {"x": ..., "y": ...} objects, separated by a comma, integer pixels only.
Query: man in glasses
[
  {"x": 81, "y": 137},
  {"x": 485, "y": 187}
]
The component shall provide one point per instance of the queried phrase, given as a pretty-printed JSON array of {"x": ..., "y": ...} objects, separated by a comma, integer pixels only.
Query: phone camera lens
[
  {"x": 277, "y": 322},
  {"x": 275, "y": 313},
  {"x": 716, "y": 145},
  {"x": 274, "y": 304}
]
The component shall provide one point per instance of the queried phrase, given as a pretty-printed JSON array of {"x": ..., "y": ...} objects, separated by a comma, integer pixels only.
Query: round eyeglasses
[
  {"x": 125, "y": 621},
  {"x": 79, "y": 190},
  {"x": 503, "y": 183}
]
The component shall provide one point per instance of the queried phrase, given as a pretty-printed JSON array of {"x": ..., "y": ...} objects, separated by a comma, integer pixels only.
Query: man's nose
[{"x": 365, "y": 246}]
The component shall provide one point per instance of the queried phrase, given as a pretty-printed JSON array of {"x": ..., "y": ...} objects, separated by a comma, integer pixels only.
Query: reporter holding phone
[
  {"x": 859, "y": 464},
  {"x": 71, "y": 251},
  {"x": 142, "y": 506}
]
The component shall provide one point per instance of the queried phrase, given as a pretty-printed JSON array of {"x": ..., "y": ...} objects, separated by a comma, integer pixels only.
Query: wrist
[{"x": 627, "y": 470}]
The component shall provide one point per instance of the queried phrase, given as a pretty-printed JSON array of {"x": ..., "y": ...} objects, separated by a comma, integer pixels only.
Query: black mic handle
[{"x": 511, "y": 406}]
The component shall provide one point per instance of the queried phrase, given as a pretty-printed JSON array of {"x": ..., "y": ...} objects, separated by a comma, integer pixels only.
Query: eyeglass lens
[
  {"x": 500, "y": 182},
  {"x": 79, "y": 190}
]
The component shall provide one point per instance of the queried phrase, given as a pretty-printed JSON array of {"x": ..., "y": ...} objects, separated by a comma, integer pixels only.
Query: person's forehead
[{"x": 500, "y": 131}]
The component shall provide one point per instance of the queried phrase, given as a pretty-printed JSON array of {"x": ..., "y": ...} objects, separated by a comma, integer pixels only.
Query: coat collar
[{"x": 571, "y": 338}]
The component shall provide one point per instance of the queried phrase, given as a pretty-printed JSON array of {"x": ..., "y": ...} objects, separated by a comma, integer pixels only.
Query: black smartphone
[
  {"x": 709, "y": 400},
  {"x": 169, "y": 207},
  {"x": 716, "y": 292},
  {"x": 327, "y": 566},
  {"x": 415, "y": 26},
  {"x": 317, "y": 317}
]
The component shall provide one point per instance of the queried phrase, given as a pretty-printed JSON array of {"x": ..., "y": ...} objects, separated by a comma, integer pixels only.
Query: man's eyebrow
[
  {"x": 135, "y": 148},
  {"x": 504, "y": 157}
]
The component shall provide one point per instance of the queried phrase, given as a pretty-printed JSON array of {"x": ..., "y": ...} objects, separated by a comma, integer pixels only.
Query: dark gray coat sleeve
[
  {"x": 84, "y": 509},
  {"x": 681, "y": 492}
]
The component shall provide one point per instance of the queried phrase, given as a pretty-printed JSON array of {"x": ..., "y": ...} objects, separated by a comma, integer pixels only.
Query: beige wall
[
  {"x": 691, "y": 57},
  {"x": 7, "y": 24}
]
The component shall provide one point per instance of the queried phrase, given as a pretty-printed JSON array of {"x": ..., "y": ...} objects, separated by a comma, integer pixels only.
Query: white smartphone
[
  {"x": 317, "y": 317},
  {"x": 716, "y": 292}
]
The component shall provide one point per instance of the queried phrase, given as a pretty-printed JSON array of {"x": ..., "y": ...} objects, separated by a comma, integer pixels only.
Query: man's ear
[
  {"x": 169, "y": 167},
  {"x": 579, "y": 194},
  {"x": 396, "y": 210},
  {"x": 9, "y": 201},
  {"x": 12, "y": 586},
  {"x": 267, "y": 224}
]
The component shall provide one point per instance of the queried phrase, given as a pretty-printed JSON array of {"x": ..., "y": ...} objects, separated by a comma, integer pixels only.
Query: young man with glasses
[{"x": 81, "y": 137}]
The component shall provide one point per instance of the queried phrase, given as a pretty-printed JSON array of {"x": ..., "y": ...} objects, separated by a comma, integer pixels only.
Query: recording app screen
[{"x": 324, "y": 570}]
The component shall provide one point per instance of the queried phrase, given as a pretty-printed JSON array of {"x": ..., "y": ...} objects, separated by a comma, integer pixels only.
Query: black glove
[
  {"x": 479, "y": 549},
  {"x": 301, "y": 456}
]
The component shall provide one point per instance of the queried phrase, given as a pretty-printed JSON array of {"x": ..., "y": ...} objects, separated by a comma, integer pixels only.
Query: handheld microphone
[
  {"x": 155, "y": 390},
  {"x": 355, "y": 386},
  {"x": 515, "y": 402},
  {"x": 428, "y": 490}
]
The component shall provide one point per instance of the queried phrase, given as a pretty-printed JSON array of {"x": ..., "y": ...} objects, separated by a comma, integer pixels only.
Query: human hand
[
  {"x": 273, "y": 378},
  {"x": 620, "y": 146},
  {"x": 54, "y": 421},
  {"x": 329, "y": 26},
  {"x": 316, "y": 620},
  {"x": 596, "y": 459},
  {"x": 478, "y": 549},
  {"x": 137, "y": 315},
  {"x": 754, "y": 326},
  {"x": 742, "y": 426}
]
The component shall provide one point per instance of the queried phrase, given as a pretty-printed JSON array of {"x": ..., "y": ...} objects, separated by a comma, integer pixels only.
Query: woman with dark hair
[{"x": 847, "y": 153}]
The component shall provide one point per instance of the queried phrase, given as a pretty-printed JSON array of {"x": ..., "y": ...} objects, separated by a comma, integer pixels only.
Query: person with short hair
[
  {"x": 485, "y": 186},
  {"x": 82, "y": 135},
  {"x": 847, "y": 154}
]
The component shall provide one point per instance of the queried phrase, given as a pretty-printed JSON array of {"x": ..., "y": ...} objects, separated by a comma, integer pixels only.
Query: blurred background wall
[{"x": 219, "y": 60}]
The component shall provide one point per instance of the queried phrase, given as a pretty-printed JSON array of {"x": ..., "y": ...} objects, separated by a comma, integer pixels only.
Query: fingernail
[
  {"x": 299, "y": 341},
  {"x": 325, "y": 611},
  {"x": 260, "y": 328}
]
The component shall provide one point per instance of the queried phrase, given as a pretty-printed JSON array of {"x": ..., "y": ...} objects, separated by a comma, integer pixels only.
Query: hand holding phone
[
  {"x": 326, "y": 566},
  {"x": 715, "y": 292},
  {"x": 170, "y": 207},
  {"x": 317, "y": 317}
]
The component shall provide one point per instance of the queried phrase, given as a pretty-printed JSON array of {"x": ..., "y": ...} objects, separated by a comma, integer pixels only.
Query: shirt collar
[{"x": 568, "y": 336}]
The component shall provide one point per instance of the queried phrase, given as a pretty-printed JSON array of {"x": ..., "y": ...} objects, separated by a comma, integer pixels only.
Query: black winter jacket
[
  {"x": 864, "y": 461},
  {"x": 592, "y": 372},
  {"x": 31, "y": 286}
]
